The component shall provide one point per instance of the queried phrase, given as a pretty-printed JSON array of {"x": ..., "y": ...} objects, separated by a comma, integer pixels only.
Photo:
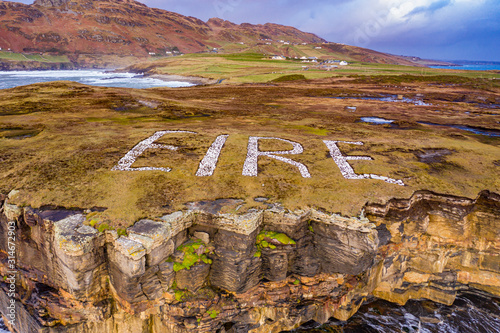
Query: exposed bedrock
[{"x": 263, "y": 271}]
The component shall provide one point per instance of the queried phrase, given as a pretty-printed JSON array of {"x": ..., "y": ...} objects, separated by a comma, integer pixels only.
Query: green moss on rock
[
  {"x": 193, "y": 252},
  {"x": 213, "y": 314},
  {"x": 271, "y": 239}
]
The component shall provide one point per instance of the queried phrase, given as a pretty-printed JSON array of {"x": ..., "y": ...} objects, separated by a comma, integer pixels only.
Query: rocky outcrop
[
  {"x": 264, "y": 271},
  {"x": 449, "y": 243},
  {"x": 50, "y": 3},
  {"x": 35, "y": 65}
]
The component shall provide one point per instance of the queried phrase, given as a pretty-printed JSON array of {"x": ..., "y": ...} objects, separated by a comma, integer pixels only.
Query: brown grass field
[{"x": 60, "y": 140}]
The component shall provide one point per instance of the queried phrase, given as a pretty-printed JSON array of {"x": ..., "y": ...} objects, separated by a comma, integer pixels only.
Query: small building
[
  {"x": 343, "y": 63},
  {"x": 277, "y": 57}
]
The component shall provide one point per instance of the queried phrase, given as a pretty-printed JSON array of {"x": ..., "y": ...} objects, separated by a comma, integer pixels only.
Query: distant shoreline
[
  {"x": 190, "y": 79},
  {"x": 470, "y": 67}
]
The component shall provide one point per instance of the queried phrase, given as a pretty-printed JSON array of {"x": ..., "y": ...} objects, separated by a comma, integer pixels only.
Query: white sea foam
[{"x": 10, "y": 79}]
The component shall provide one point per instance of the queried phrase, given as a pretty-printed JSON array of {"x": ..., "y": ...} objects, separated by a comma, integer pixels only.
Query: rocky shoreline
[
  {"x": 40, "y": 66},
  {"x": 264, "y": 271},
  {"x": 36, "y": 66},
  {"x": 196, "y": 80}
]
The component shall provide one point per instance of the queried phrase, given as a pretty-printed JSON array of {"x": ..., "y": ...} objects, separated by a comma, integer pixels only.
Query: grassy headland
[
  {"x": 258, "y": 68},
  {"x": 59, "y": 141}
]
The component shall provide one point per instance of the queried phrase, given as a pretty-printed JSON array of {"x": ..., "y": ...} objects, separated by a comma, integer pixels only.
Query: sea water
[
  {"x": 11, "y": 79},
  {"x": 472, "y": 311},
  {"x": 479, "y": 67},
  {"x": 3, "y": 328}
]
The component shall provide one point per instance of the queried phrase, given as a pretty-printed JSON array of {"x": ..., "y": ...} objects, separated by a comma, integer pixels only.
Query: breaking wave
[{"x": 11, "y": 79}]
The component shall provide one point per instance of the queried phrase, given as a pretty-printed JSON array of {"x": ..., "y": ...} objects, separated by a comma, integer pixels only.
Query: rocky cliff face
[{"x": 264, "y": 271}]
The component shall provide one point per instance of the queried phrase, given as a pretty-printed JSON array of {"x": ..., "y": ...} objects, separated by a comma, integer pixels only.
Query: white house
[{"x": 343, "y": 63}]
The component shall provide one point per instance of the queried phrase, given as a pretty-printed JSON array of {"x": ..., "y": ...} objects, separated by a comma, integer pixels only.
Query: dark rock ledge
[{"x": 72, "y": 278}]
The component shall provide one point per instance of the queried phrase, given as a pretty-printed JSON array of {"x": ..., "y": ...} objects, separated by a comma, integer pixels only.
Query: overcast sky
[{"x": 437, "y": 29}]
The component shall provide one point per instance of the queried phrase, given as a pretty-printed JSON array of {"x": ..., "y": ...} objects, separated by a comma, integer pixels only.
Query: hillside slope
[
  {"x": 129, "y": 28},
  {"x": 121, "y": 27}
]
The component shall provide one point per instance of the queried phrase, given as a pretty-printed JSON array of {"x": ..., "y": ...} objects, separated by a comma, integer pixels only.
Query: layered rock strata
[{"x": 203, "y": 272}]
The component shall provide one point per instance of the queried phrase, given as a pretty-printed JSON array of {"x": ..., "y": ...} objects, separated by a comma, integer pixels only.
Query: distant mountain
[{"x": 130, "y": 28}]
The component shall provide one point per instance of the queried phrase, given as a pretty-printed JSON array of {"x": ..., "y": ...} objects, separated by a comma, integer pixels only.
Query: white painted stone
[
  {"x": 347, "y": 170},
  {"x": 126, "y": 162},
  {"x": 253, "y": 153},
  {"x": 209, "y": 162},
  {"x": 250, "y": 167}
]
